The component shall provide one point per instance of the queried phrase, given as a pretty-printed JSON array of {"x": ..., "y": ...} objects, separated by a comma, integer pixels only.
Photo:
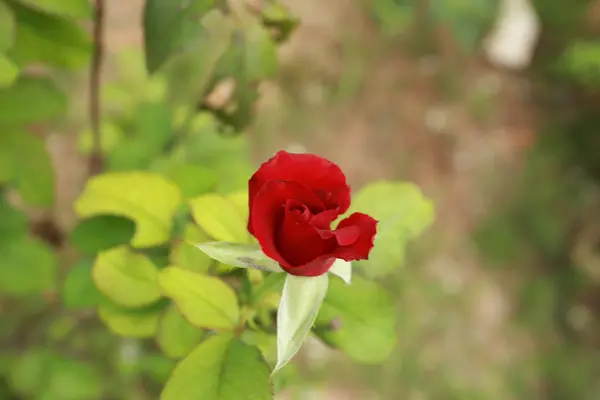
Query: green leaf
[
  {"x": 193, "y": 180},
  {"x": 27, "y": 266},
  {"x": 272, "y": 284},
  {"x": 187, "y": 256},
  {"x": 127, "y": 278},
  {"x": 365, "y": 314},
  {"x": 176, "y": 336},
  {"x": 49, "y": 39},
  {"x": 239, "y": 255},
  {"x": 30, "y": 372},
  {"x": 300, "y": 302},
  {"x": 7, "y": 27},
  {"x": 189, "y": 72},
  {"x": 31, "y": 100},
  {"x": 343, "y": 269},
  {"x": 13, "y": 222},
  {"x": 260, "y": 54},
  {"x": 148, "y": 199},
  {"x": 467, "y": 21},
  {"x": 29, "y": 166},
  {"x": 135, "y": 323},
  {"x": 8, "y": 72},
  {"x": 220, "y": 218},
  {"x": 221, "y": 368},
  {"x": 79, "y": 291},
  {"x": 205, "y": 301},
  {"x": 101, "y": 232},
  {"x": 73, "y": 380},
  {"x": 403, "y": 214},
  {"x": 65, "y": 8},
  {"x": 111, "y": 137},
  {"x": 165, "y": 25}
]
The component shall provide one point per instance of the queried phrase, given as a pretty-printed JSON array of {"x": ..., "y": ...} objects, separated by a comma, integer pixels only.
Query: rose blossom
[{"x": 293, "y": 200}]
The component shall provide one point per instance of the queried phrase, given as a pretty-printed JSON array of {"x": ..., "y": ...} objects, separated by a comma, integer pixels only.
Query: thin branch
[{"x": 95, "y": 161}]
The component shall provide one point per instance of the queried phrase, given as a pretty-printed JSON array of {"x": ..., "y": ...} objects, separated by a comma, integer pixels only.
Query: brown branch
[{"x": 95, "y": 161}]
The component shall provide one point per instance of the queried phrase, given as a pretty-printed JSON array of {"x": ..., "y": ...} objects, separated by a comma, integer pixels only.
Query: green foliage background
[{"x": 121, "y": 305}]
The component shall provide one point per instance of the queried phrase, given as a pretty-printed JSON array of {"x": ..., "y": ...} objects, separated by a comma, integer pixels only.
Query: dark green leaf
[
  {"x": 29, "y": 166},
  {"x": 166, "y": 25},
  {"x": 66, "y": 8},
  {"x": 7, "y": 27},
  {"x": 49, "y": 39},
  {"x": 73, "y": 380},
  {"x": 79, "y": 290},
  {"x": 102, "y": 232},
  {"x": 31, "y": 100},
  {"x": 26, "y": 266},
  {"x": 29, "y": 374},
  {"x": 12, "y": 222}
]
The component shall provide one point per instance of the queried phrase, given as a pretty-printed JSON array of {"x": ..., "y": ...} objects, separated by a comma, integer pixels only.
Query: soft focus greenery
[
  {"x": 104, "y": 303},
  {"x": 105, "y": 307}
]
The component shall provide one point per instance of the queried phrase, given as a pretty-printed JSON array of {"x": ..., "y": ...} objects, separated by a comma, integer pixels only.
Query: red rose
[{"x": 293, "y": 199}]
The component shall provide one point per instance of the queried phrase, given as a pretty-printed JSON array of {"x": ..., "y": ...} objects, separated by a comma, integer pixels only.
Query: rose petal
[
  {"x": 363, "y": 228},
  {"x": 316, "y": 267},
  {"x": 268, "y": 212},
  {"x": 300, "y": 242},
  {"x": 319, "y": 175}
]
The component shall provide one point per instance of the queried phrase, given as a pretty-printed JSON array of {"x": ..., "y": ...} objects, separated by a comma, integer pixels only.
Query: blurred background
[{"x": 492, "y": 107}]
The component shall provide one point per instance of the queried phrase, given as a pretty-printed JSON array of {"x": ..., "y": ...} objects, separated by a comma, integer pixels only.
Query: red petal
[
  {"x": 355, "y": 236},
  {"x": 316, "y": 267},
  {"x": 268, "y": 213},
  {"x": 300, "y": 242},
  {"x": 319, "y": 175}
]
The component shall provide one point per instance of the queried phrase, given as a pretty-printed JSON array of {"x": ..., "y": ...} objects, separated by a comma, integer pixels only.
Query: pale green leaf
[
  {"x": 403, "y": 213},
  {"x": 300, "y": 302},
  {"x": 205, "y": 301},
  {"x": 240, "y": 255},
  {"x": 221, "y": 368},
  {"x": 27, "y": 266},
  {"x": 220, "y": 218},
  {"x": 343, "y": 269},
  {"x": 78, "y": 290},
  {"x": 49, "y": 39},
  {"x": 187, "y": 256},
  {"x": 31, "y": 100},
  {"x": 8, "y": 71},
  {"x": 7, "y": 27},
  {"x": 176, "y": 336},
  {"x": 148, "y": 199},
  {"x": 66, "y": 8},
  {"x": 134, "y": 323},
  {"x": 363, "y": 316},
  {"x": 126, "y": 278}
]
